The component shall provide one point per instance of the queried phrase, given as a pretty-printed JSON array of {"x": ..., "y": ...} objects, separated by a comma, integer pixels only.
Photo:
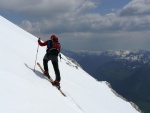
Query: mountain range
[{"x": 128, "y": 72}]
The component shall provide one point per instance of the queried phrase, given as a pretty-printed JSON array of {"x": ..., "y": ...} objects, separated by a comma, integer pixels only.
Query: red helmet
[{"x": 54, "y": 38}]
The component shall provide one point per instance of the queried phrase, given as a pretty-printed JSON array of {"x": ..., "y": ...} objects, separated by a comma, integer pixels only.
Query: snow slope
[{"x": 24, "y": 91}]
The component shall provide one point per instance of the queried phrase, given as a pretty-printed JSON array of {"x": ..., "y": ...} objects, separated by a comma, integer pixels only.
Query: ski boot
[
  {"x": 46, "y": 74},
  {"x": 56, "y": 83}
]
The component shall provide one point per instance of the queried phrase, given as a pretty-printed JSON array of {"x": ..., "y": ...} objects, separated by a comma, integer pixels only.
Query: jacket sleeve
[{"x": 42, "y": 43}]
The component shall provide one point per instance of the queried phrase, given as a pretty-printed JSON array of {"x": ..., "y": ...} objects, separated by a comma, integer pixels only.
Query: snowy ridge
[
  {"x": 133, "y": 104},
  {"x": 23, "y": 91},
  {"x": 141, "y": 56},
  {"x": 134, "y": 56}
]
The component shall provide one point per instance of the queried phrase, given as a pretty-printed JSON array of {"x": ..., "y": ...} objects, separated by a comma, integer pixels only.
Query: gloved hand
[{"x": 39, "y": 40}]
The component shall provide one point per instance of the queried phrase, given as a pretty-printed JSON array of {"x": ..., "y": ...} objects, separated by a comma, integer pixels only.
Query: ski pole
[{"x": 36, "y": 56}]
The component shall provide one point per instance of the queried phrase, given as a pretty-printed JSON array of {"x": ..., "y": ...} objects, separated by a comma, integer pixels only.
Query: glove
[
  {"x": 39, "y": 40},
  {"x": 60, "y": 56}
]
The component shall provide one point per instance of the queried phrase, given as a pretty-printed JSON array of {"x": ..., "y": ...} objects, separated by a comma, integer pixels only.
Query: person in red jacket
[{"x": 53, "y": 49}]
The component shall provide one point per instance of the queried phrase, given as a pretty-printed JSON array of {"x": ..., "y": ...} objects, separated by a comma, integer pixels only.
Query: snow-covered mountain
[
  {"x": 24, "y": 91},
  {"x": 136, "y": 56},
  {"x": 128, "y": 72},
  {"x": 142, "y": 56}
]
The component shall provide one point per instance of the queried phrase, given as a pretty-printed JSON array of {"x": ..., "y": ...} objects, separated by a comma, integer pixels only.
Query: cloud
[
  {"x": 72, "y": 20},
  {"x": 135, "y": 15},
  {"x": 132, "y": 17},
  {"x": 136, "y": 8},
  {"x": 47, "y": 8},
  {"x": 31, "y": 27}
]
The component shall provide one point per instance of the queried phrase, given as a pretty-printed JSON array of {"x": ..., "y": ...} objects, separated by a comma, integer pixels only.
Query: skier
[{"x": 53, "y": 49}]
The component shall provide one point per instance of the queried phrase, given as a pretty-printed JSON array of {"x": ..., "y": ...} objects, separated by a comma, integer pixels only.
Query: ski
[{"x": 51, "y": 80}]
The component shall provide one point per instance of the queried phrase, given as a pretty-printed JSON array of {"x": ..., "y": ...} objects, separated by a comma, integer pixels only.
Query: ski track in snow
[{"x": 74, "y": 104}]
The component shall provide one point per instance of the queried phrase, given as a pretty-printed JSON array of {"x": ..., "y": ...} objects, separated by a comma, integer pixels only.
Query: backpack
[{"x": 53, "y": 46}]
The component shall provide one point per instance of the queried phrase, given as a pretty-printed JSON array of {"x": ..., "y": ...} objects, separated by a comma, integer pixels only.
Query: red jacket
[
  {"x": 51, "y": 50},
  {"x": 42, "y": 43}
]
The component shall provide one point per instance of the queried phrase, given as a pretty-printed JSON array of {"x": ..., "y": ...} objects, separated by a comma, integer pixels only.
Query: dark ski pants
[{"x": 54, "y": 60}]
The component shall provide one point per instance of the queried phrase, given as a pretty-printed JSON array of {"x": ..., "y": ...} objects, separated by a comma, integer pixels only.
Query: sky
[{"x": 94, "y": 25}]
